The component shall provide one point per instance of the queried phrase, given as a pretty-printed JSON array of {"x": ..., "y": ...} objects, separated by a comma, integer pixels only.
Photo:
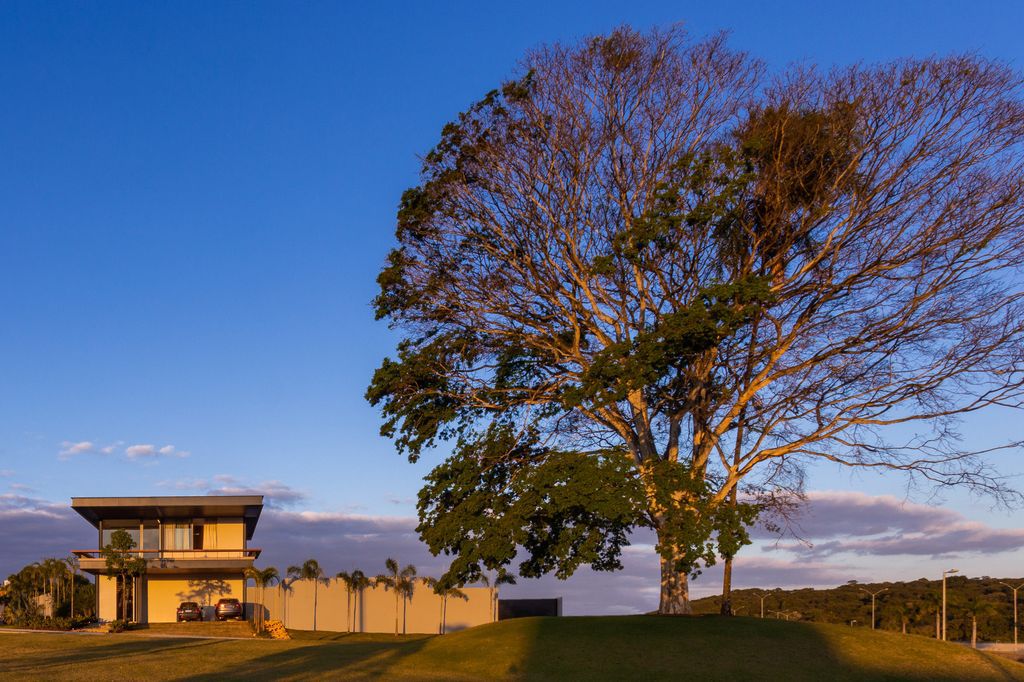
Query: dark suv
[
  {"x": 229, "y": 608},
  {"x": 189, "y": 610}
]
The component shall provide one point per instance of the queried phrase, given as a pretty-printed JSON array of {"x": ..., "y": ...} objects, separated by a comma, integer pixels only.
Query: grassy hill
[
  {"x": 916, "y": 602},
  {"x": 607, "y": 648}
]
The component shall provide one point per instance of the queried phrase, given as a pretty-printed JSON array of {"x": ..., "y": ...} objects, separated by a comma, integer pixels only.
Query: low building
[{"x": 195, "y": 547}]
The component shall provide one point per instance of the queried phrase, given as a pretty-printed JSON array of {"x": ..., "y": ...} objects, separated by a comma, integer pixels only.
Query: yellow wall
[
  {"x": 224, "y": 534},
  {"x": 375, "y": 612},
  {"x": 107, "y": 587},
  {"x": 165, "y": 593}
]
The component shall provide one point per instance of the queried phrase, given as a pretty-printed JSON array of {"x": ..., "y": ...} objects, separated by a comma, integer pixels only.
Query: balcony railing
[{"x": 157, "y": 554}]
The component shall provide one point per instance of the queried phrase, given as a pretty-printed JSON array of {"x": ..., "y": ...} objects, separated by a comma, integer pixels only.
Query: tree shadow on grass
[
  {"x": 322, "y": 660},
  {"x": 714, "y": 647},
  {"x": 38, "y": 664}
]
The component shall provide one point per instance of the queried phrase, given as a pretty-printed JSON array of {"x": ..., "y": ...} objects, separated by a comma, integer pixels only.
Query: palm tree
[
  {"x": 286, "y": 587},
  {"x": 401, "y": 581},
  {"x": 444, "y": 592},
  {"x": 360, "y": 581},
  {"x": 355, "y": 583},
  {"x": 502, "y": 578},
  {"x": 349, "y": 580},
  {"x": 901, "y": 612},
  {"x": 72, "y": 563},
  {"x": 310, "y": 570},
  {"x": 976, "y": 607},
  {"x": 261, "y": 578}
]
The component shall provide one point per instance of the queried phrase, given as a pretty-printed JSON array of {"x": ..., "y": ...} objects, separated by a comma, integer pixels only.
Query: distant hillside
[{"x": 916, "y": 601}]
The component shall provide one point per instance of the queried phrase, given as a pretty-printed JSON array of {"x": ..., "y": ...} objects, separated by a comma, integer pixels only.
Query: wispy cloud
[
  {"x": 275, "y": 493},
  {"x": 838, "y": 522},
  {"x": 6, "y": 473},
  {"x": 21, "y": 488},
  {"x": 71, "y": 448},
  {"x": 150, "y": 451},
  {"x": 137, "y": 452}
]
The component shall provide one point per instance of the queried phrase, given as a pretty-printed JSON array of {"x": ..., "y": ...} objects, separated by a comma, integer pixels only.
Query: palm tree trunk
[
  {"x": 315, "y": 584},
  {"x": 397, "y": 607},
  {"x": 444, "y": 615},
  {"x": 348, "y": 609}
]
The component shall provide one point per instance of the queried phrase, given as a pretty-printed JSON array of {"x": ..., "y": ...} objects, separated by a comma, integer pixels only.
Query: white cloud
[
  {"x": 148, "y": 451},
  {"x": 275, "y": 493},
  {"x": 71, "y": 448}
]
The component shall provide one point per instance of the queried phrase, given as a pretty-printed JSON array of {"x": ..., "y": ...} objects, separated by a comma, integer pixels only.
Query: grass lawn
[{"x": 606, "y": 648}]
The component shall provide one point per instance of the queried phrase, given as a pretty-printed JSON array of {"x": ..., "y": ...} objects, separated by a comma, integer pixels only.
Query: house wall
[
  {"x": 375, "y": 612},
  {"x": 227, "y": 534},
  {"x": 163, "y": 594},
  {"x": 106, "y": 595}
]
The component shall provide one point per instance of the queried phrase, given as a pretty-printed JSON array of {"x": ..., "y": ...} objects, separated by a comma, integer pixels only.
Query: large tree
[{"x": 643, "y": 283}]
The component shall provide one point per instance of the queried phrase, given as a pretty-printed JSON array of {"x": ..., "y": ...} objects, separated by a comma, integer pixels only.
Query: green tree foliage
[
  {"x": 909, "y": 607},
  {"x": 644, "y": 285},
  {"x": 123, "y": 562}
]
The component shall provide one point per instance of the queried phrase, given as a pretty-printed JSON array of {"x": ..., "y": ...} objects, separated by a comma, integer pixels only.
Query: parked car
[
  {"x": 229, "y": 608},
  {"x": 189, "y": 610}
]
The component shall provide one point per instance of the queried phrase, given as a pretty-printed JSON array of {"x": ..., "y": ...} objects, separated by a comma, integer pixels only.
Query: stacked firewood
[{"x": 276, "y": 630}]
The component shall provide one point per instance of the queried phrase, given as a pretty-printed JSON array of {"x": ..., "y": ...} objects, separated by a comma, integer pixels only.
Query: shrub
[
  {"x": 31, "y": 621},
  {"x": 118, "y": 626}
]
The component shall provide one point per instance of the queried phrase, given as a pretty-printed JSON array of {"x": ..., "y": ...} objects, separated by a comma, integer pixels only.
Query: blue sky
[{"x": 195, "y": 199}]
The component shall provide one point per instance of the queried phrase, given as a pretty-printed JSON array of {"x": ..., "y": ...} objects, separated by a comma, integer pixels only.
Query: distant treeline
[{"x": 910, "y": 604}]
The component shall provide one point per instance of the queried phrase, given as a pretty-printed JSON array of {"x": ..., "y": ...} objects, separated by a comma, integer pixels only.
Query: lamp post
[
  {"x": 762, "y": 596},
  {"x": 944, "y": 574},
  {"x": 873, "y": 595},
  {"x": 1014, "y": 589}
]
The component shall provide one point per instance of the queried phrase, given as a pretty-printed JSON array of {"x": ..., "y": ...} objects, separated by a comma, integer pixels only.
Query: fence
[{"x": 374, "y": 608}]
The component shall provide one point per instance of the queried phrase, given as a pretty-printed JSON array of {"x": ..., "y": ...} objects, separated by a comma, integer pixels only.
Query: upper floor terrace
[{"x": 176, "y": 534}]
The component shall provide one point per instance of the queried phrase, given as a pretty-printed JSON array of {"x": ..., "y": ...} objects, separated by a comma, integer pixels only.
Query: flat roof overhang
[{"x": 96, "y": 509}]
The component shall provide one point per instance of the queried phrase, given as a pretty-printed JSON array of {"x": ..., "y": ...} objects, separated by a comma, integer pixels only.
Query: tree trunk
[
  {"x": 675, "y": 589},
  {"x": 727, "y": 587},
  {"x": 974, "y": 632},
  {"x": 348, "y": 610},
  {"x": 315, "y": 583}
]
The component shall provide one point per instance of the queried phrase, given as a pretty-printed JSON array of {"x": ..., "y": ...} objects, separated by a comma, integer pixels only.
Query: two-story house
[{"x": 196, "y": 549}]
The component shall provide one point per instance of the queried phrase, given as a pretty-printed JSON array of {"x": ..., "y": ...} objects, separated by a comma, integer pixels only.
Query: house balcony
[{"x": 176, "y": 561}]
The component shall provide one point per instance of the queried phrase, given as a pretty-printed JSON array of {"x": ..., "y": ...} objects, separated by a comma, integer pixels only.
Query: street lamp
[
  {"x": 1014, "y": 610},
  {"x": 873, "y": 595},
  {"x": 762, "y": 596},
  {"x": 944, "y": 574}
]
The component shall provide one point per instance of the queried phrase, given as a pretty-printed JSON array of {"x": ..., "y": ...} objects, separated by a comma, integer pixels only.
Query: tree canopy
[{"x": 643, "y": 275}]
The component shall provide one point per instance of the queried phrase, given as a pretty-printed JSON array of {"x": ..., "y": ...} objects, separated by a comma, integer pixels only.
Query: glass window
[
  {"x": 150, "y": 537},
  {"x": 108, "y": 533},
  {"x": 182, "y": 536}
]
